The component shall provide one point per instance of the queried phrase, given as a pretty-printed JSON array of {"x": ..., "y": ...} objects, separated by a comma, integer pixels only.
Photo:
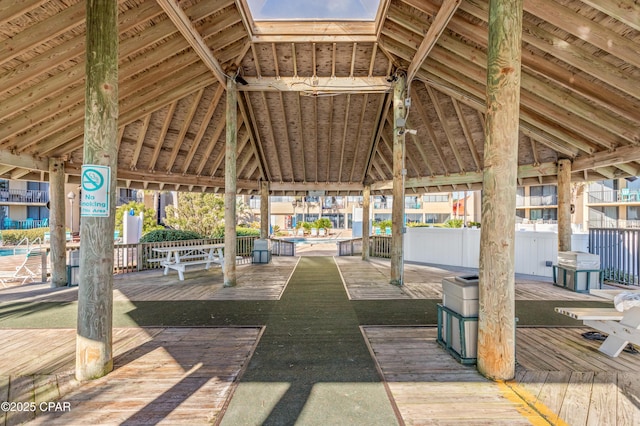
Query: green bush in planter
[{"x": 169, "y": 235}]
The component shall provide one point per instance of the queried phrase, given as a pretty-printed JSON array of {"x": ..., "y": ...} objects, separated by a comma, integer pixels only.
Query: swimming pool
[
  {"x": 9, "y": 252},
  {"x": 299, "y": 240}
]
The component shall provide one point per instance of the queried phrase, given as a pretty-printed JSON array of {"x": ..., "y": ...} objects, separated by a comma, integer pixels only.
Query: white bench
[{"x": 622, "y": 327}]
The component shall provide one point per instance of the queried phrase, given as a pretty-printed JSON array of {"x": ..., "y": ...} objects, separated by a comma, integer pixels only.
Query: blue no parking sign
[{"x": 95, "y": 190}]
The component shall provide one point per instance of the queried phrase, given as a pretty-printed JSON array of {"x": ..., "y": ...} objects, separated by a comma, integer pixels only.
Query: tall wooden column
[
  {"x": 95, "y": 294},
  {"x": 58, "y": 243},
  {"x": 264, "y": 209},
  {"x": 564, "y": 205},
  {"x": 397, "y": 211},
  {"x": 496, "y": 319},
  {"x": 366, "y": 225},
  {"x": 230, "y": 184}
]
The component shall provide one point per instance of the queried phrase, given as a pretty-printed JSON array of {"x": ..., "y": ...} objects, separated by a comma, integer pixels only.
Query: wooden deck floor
[{"x": 180, "y": 375}]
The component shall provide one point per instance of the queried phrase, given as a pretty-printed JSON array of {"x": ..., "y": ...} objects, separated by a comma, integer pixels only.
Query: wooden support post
[
  {"x": 94, "y": 356},
  {"x": 264, "y": 209},
  {"x": 366, "y": 207},
  {"x": 57, "y": 240},
  {"x": 230, "y": 182},
  {"x": 564, "y": 205},
  {"x": 397, "y": 211},
  {"x": 496, "y": 318}
]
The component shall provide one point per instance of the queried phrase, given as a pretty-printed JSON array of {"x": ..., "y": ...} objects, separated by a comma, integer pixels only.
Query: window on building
[
  {"x": 633, "y": 213},
  {"x": 543, "y": 195},
  {"x": 436, "y": 198},
  {"x": 520, "y": 196},
  {"x": 544, "y": 214}
]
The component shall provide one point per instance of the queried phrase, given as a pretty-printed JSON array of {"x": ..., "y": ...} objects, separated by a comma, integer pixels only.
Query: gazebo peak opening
[{"x": 312, "y": 10}]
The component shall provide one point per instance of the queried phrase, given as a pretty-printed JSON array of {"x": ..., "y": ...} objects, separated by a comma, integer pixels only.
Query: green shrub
[
  {"x": 12, "y": 237},
  {"x": 169, "y": 235},
  {"x": 453, "y": 223},
  {"x": 240, "y": 232},
  {"x": 471, "y": 224},
  {"x": 382, "y": 224}
]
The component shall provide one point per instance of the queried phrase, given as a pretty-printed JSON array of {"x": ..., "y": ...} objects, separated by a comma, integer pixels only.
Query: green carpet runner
[{"x": 312, "y": 365}]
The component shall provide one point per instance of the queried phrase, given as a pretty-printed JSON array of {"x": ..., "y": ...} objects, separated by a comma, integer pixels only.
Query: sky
[{"x": 314, "y": 9}]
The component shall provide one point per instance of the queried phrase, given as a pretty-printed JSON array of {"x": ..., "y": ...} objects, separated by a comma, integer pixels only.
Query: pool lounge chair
[{"x": 29, "y": 270}]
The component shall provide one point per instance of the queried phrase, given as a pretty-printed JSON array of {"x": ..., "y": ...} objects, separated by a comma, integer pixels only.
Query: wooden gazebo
[{"x": 209, "y": 99}]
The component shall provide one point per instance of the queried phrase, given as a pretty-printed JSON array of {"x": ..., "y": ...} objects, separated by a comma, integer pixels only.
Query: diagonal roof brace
[{"x": 195, "y": 40}]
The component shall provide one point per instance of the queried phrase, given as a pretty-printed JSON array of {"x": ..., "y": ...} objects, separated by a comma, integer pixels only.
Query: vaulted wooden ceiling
[{"x": 316, "y": 111}]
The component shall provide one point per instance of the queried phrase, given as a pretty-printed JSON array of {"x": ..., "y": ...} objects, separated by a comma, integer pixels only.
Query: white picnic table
[
  {"x": 622, "y": 325},
  {"x": 179, "y": 257}
]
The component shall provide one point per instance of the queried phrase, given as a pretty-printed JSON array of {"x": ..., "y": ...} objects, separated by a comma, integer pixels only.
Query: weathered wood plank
[{"x": 496, "y": 326}]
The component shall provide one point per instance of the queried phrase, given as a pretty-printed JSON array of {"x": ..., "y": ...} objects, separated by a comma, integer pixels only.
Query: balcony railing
[
  {"x": 614, "y": 223},
  {"x": 537, "y": 201},
  {"x": 624, "y": 195},
  {"x": 23, "y": 196},
  {"x": 28, "y": 223}
]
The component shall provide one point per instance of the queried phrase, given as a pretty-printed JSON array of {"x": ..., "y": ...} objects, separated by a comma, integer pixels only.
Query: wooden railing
[
  {"x": 135, "y": 257},
  {"x": 350, "y": 247},
  {"x": 379, "y": 246}
]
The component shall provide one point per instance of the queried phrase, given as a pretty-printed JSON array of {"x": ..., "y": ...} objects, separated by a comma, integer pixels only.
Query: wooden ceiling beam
[
  {"x": 142, "y": 133},
  {"x": 320, "y": 186},
  {"x": 539, "y": 95},
  {"x": 195, "y": 103},
  {"x": 272, "y": 141},
  {"x": 24, "y": 161},
  {"x": 345, "y": 127},
  {"x": 301, "y": 132},
  {"x": 586, "y": 29},
  {"x": 249, "y": 119},
  {"x": 131, "y": 108},
  {"x": 620, "y": 155},
  {"x": 287, "y": 139},
  {"x": 445, "y": 126},
  {"x": 42, "y": 32},
  {"x": 163, "y": 134},
  {"x": 626, "y": 11},
  {"x": 567, "y": 78},
  {"x": 202, "y": 129},
  {"x": 356, "y": 149},
  {"x": 560, "y": 49},
  {"x": 184, "y": 180},
  {"x": 525, "y": 171},
  {"x": 383, "y": 107},
  {"x": 195, "y": 40},
  {"x": 467, "y": 135},
  {"x": 329, "y": 136},
  {"x": 317, "y": 85},
  {"x": 422, "y": 112},
  {"x": 440, "y": 22}
]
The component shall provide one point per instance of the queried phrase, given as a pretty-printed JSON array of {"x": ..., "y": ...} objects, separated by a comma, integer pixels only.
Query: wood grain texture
[
  {"x": 230, "y": 183},
  {"x": 496, "y": 324},
  {"x": 94, "y": 356}
]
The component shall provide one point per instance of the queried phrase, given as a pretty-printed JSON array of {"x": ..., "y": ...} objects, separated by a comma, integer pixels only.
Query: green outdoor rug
[{"x": 312, "y": 365}]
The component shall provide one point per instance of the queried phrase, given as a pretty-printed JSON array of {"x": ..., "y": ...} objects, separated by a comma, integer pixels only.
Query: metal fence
[{"x": 619, "y": 253}]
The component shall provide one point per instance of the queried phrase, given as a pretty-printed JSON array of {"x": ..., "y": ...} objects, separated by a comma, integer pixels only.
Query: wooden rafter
[
  {"x": 446, "y": 12},
  {"x": 256, "y": 145},
  {"x": 467, "y": 134},
  {"x": 358, "y": 136},
  {"x": 204, "y": 125},
  {"x": 195, "y": 40},
  {"x": 343, "y": 143},
  {"x": 163, "y": 133},
  {"x": 142, "y": 133},
  {"x": 445, "y": 126},
  {"x": 184, "y": 129}
]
